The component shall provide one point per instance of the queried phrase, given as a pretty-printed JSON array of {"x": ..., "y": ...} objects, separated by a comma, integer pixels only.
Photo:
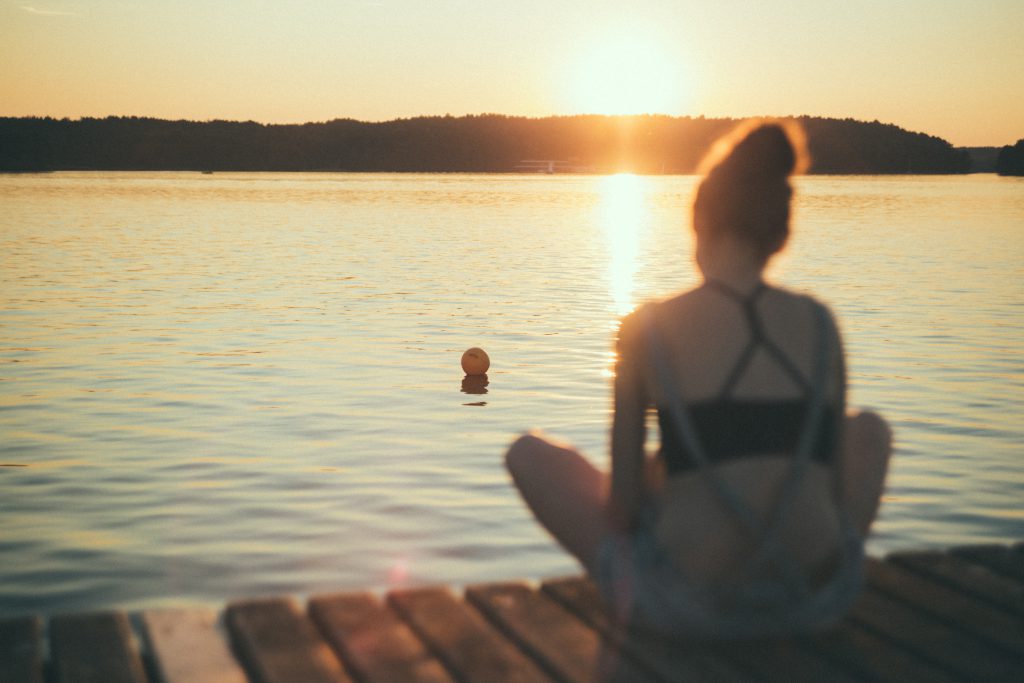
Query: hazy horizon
[{"x": 946, "y": 68}]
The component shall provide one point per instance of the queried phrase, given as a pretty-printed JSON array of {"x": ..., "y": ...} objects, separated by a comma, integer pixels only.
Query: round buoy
[{"x": 475, "y": 361}]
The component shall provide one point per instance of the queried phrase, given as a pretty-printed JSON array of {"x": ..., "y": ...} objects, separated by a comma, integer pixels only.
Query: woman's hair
[{"x": 746, "y": 190}]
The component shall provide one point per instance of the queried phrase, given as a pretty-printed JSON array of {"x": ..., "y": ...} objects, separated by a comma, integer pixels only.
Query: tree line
[
  {"x": 488, "y": 143},
  {"x": 1011, "y": 159}
]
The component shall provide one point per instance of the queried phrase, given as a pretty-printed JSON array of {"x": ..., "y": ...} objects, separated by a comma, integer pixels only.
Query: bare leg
[
  {"x": 867, "y": 444},
  {"x": 565, "y": 492}
]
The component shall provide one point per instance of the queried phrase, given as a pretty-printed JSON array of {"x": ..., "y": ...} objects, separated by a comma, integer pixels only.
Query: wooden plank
[
  {"x": 741, "y": 660},
  {"x": 965, "y": 576},
  {"x": 279, "y": 644},
  {"x": 873, "y": 657},
  {"x": 783, "y": 659},
  {"x": 933, "y": 640},
  {"x": 582, "y": 597},
  {"x": 21, "y": 650},
  {"x": 669, "y": 660},
  {"x": 374, "y": 643},
  {"x": 187, "y": 647},
  {"x": 948, "y": 605},
  {"x": 472, "y": 649},
  {"x": 562, "y": 644},
  {"x": 672, "y": 658},
  {"x": 998, "y": 558},
  {"x": 94, "y": 648}
]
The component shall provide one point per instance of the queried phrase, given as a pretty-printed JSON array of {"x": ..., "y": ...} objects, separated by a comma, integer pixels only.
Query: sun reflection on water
[
  {"x": 624, "y": 215},
  {"x": 111, "y": 406}
]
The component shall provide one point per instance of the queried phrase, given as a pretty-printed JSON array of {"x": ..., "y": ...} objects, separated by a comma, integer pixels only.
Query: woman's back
[
  {"x": 706, "y": 332},
  {"x": 736, "y": 357}
]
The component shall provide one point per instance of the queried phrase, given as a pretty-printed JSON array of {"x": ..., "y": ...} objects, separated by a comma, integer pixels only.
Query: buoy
[{"x": 475, "y": 361}]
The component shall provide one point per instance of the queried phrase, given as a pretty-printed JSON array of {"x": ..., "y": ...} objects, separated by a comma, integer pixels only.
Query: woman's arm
[
  {"x": 836, "y": 395},
  {"x": 628, "y": 428}
]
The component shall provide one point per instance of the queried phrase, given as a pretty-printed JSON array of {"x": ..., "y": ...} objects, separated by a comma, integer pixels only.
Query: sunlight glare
[{"x": 626, "y": 77}]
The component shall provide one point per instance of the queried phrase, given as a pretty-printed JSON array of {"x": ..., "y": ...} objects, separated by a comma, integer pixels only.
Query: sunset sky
[{"x": 951, "y": 68}]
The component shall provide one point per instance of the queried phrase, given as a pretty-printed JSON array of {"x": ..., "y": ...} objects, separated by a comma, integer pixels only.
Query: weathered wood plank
[
  {"x": 671, "y": 658},
  {"x": 94, "y": 648},
  {"x": 965, "y": 576},
  {"x": 374, "y": 643},
  {"x": 722, "y": 661},
  {"x": 927, "y": 616},
  {"x": 999, "y": 558},
  {"x": 187, "y": 647},
  {"x": 472, "y": 649},
  {"x": 783, "y": 659},
  {"x": 933, "y": 640},
  {"x": 948, "y": 605},
  {"x": 581, "y": 596},
  {"x": 21, "y": 651},
  {"x": 561, "y": 643},
  {"x": 671, "y": 661},
  {"x": 279, "y": 644},
  {"x": 873, "y": 657}
]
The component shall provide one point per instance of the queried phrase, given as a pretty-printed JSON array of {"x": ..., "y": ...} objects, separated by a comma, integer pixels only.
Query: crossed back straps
[{"x": 764, "y": 535}]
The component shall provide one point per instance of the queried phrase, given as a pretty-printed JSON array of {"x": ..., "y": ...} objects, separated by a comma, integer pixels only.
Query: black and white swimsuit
[
  {"x": 776, "y": 597},
  {"x": 728, "y": 427}
]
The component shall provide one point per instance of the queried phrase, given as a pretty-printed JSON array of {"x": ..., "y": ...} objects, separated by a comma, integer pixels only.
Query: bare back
[{"x": 708, "y": 336}]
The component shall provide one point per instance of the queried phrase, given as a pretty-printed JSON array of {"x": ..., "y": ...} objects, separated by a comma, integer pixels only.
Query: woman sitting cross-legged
[{"x": 750, "y": 520}]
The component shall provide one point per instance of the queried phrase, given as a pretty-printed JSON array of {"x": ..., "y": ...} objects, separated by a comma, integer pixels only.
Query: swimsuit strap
[
  {"x": 770, "y": 548},
  {"x": 764, "y": 534},
  {"x": 758, "y": 338},
  {"x": 676, "y": 408}
]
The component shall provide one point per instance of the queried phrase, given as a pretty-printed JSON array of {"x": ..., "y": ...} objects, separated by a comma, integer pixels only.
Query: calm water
[{"x": 224, "y": 385}]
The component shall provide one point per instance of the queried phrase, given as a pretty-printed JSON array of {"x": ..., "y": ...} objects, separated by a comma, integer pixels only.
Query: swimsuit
[
  {"x": 776, "y": 597},
  {"x": 728, "y": 427}
]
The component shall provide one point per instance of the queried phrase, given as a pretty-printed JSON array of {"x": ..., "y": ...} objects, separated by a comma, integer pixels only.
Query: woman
[{"x": 751, "y": 517}]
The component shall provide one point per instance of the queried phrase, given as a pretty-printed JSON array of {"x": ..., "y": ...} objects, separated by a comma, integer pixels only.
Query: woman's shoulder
[
  {"x": 653, "y": 309},
  {"x": 806, "y": 311},
  {"x": 704, "y": 298},
  {"x": 703, "y": 308},
  {"x": 697, "y": 303},
  {"x": 786, "y": 292},
  {"x": 674, "y": 305},
  {"x": 634, "y": 325},
  {"x": 800, "y": 299}
]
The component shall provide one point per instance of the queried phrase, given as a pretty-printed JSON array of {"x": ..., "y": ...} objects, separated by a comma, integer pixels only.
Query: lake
[{"x": 226, "y": 385}]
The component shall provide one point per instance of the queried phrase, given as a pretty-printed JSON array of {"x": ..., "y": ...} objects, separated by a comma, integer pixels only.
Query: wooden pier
[{"x": 925, "y": 616}]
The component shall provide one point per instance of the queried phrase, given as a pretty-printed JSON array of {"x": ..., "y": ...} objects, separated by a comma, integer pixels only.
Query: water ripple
[{"x": 234, "y": 385}]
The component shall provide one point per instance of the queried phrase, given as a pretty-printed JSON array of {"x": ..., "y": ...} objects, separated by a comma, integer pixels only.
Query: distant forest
[
  {"x": 1011, "y": 159},
  {"x": 486, "y": 143}
]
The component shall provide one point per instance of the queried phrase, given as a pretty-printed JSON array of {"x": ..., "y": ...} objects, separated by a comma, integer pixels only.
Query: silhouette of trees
[
  {"x": 488, "y": 143},
  {"x": 1011, "y": 159},
  {"x": 849, "y": 146}
]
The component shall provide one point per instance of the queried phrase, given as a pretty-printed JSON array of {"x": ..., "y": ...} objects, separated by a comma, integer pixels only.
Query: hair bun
[
  {"x": 765, "y": 153},
  {"x": 746, "y": 190},
  {"x": 758, "y": 150}
]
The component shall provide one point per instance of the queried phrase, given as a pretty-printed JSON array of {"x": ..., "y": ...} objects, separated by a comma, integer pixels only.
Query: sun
[{"x": 627, "y": 76}]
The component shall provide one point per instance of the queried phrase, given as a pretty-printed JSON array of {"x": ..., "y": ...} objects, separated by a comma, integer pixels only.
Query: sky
[{"x": 951, "y": 68}]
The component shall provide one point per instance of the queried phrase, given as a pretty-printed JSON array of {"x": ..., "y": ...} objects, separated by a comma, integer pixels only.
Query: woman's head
[{"x": 745, "y": 192}]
